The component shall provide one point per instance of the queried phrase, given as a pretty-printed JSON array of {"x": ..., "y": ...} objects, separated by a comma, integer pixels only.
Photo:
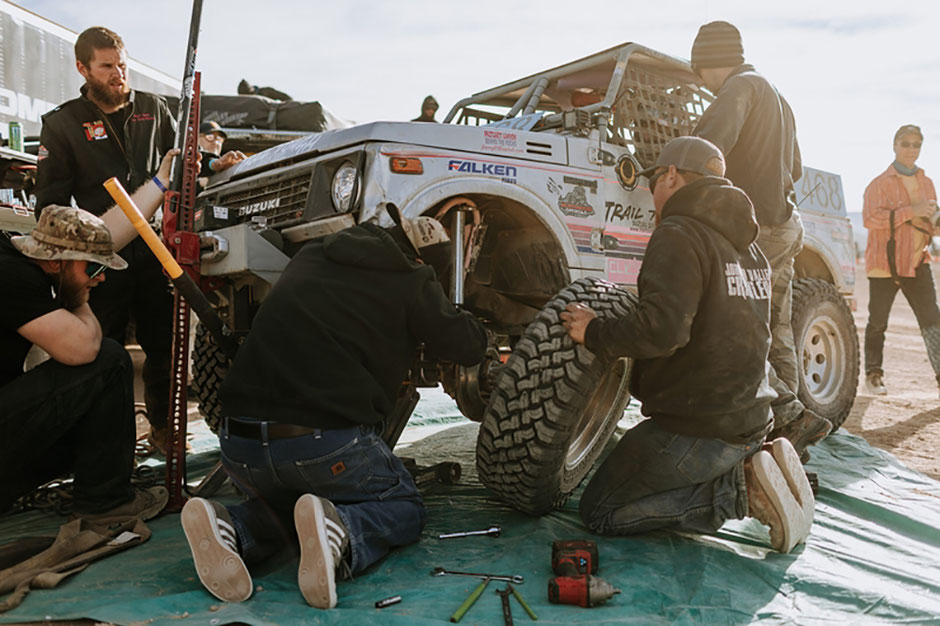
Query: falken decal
[
  {"x": 507, "y": 173},
  {"x": 575, "y": 203},
  {"x": 95, "y": 131}
]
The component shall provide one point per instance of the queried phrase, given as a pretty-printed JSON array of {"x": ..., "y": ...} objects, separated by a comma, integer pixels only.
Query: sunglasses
[
  {"x": 908, "y": 144},
  {"x": 655, "y": 177},
  {"x": 93, "y": 268}
]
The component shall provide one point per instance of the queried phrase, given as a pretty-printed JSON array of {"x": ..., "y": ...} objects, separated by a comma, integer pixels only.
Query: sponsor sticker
[
  {"x": 575, "y": 203},
  {"x": 499, "y": 141},
  {"x": 507, "y": 173},
  {"x": 95, "y": 131}
]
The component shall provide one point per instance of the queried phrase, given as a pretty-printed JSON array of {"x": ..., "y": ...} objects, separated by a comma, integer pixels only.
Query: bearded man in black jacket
[
  {"x": 113, "y": 130},
  {"x": 305, "y": 400},
  {"x": 699, "y": 337}
]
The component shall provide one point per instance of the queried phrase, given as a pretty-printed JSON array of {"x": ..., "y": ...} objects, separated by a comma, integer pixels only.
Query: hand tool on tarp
[
  {"x": 463, "y": 608},
  {"x": 507, "y": 610},
  {"x": 492, "y": 531},
  {"x": 440, "y": 571}
]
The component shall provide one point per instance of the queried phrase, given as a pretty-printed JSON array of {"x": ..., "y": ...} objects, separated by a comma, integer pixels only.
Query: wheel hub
[
  {"x": 608, "y": 395},
  {"x": 823, "y": 352}
]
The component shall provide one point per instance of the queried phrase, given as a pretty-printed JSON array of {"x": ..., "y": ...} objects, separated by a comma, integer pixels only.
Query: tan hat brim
[{"x": 34, "y": 249}]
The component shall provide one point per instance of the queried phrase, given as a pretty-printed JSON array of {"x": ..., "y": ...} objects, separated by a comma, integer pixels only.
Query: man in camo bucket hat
[
  {"x": 69, "y": 234},
  {"x": 74, "y": 413}
]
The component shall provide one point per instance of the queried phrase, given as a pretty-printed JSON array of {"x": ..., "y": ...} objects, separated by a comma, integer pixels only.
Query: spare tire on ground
[
  {"x": 554, "y": 407},
  {"x": 826, "y": 349}
]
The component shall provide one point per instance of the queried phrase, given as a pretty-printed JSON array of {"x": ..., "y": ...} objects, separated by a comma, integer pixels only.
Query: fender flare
[{"x": 429, "y": 196}]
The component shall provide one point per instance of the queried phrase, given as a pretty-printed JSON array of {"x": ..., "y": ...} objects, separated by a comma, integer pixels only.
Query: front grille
[{"x": 280, "y": 202}]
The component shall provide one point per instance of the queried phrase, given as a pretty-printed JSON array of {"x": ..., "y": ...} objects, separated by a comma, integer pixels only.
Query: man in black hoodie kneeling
[
  {"x": 699, "y": 337},
  {"x": 304, "y": 403}
]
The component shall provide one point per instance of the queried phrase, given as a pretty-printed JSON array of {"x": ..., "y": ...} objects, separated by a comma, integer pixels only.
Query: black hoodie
[
  {"x": 700, "y": 332},
  {"x": 334, "y": 339},
  {"x": 752, "y": 124}
]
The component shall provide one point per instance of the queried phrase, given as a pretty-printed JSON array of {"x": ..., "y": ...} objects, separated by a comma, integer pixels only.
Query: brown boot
[
  {"x": 147, "y": 503},
  {"x": 771, "y": 502}
]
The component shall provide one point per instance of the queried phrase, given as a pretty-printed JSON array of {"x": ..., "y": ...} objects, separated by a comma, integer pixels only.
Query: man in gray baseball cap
[
  {"x": 699, "y": 339},
  {"x": 73, "y": 413}
]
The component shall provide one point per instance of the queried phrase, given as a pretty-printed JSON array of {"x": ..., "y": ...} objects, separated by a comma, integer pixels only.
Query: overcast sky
[{"x": 852, "y": 71}]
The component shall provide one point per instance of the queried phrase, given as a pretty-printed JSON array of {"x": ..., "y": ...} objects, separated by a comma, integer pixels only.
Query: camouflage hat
[
  {"x": 69, "y": 234},
  {"x": 421, "y": 231}
]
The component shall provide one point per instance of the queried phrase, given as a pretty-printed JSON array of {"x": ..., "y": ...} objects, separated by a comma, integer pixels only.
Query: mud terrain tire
[
  {"x": 826, "y": 349},
  {"x": 554, "y": 407},
  {"x": 209, "y": 368}
]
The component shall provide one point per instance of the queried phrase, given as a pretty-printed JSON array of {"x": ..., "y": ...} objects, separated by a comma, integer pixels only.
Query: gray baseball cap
[{"x": 691, "y": 154}]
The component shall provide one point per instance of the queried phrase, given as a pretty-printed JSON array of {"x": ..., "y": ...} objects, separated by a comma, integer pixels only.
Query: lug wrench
[
  {"x": 440, "y": 571},
  {"x": 492, "y": 531}
]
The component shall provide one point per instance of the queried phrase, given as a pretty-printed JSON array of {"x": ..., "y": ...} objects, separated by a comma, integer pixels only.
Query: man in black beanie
[{"x": 754, "y": 127}]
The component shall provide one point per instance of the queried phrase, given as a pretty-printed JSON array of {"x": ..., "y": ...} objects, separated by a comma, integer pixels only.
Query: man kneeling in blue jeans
[
  {"x": 305, "y": 399},
  {"x": 699, "y": 337}
]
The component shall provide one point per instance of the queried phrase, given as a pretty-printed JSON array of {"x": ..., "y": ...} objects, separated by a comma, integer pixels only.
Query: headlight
[{"x": 344, "y": 182}]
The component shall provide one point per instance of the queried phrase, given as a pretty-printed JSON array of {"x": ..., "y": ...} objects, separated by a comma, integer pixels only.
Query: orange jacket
[{"x": 886, "y": 195}]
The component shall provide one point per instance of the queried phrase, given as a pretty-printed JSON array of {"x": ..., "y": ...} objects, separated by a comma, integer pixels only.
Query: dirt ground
[{"x": 906, "y": 422}]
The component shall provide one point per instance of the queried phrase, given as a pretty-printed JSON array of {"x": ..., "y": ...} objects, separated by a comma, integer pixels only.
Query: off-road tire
[
  {"x": 209, "y": 368},
  {"x": 554, "y": 407},
  {"x": 826, "y": 349}
]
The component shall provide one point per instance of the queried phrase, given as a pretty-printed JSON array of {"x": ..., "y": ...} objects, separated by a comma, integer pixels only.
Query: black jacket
[
  {"x": 753, "y": 126},
  {"x": 333, "y": 341},
  {"x": 700, "y": 332},
  {"x": 78, "y": 150}
]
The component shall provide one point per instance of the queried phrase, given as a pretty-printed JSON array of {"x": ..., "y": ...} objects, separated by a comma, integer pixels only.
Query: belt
[{"x": 253, "y": 429}]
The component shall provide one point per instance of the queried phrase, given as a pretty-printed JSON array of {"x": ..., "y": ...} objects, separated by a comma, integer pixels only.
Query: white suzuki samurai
[{"x": 540, "y": 177}]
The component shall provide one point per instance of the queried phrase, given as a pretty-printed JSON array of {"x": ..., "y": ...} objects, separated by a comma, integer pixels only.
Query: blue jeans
[
  {"x": 374, "y": 494},
  {"x": 658, "y": 479}
]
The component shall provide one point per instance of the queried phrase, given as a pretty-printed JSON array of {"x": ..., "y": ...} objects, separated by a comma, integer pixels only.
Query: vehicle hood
[
  {"x": 489, "y": 140},
  {"x": 718, "y": 204}
]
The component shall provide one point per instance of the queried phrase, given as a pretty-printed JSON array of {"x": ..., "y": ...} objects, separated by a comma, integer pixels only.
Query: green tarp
[{"x": 873, "y": 557}]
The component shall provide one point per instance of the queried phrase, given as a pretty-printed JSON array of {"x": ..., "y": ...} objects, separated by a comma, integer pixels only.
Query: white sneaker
[
  {"x": 323, "y": 540},
  {"x": 212, "y": 540},
  {"x": 875, "y": 385}
]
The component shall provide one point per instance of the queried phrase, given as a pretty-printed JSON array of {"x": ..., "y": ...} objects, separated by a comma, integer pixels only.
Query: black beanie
[{"x": 718, "y": 44}]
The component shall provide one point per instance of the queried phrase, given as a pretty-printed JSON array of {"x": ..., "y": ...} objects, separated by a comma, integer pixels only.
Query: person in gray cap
[
  {"x": 211, "y": 138},
  {"x": 752, "y": 124},
  {"x": 699, "y": 339},
  {"x": 75, "y": 412}
]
